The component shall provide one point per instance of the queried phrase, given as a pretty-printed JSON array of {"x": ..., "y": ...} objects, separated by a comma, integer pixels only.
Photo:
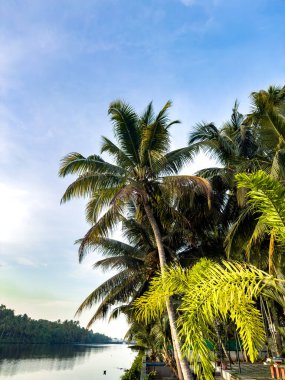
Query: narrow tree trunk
[
  {"x": 177, "y": 361},
  {"x": 277, "y": 336},
  {"x": 169, "y": 306}
]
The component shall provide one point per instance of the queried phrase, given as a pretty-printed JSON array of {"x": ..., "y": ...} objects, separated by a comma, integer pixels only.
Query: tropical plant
[
  {"x": 266, "y": 196},
  {"x": 267, "y": 121},
  {"x": 135, "y": 371},
  {"x": 211, "y": 292},
  {"x": 139, "y": 178},
  {"x": 154, "y": 338},
  {"x": 134, "y": 264},
  {"x": 235, "y": 148}
]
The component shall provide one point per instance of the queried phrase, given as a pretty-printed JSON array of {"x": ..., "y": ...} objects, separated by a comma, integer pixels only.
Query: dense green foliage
[
  {"x": 22, "y": 329},
  {"x": 234, "y": 210},
  {"x": 134, "y": 372},
  {"x": 141, "y": 180}
]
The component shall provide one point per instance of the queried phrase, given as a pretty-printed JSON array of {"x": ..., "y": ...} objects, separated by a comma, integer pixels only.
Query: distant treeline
[{"x": 22, "y": 329}]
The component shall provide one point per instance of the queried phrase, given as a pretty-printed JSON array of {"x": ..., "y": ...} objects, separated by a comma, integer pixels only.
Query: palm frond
[
  {"x": 236, "y": 227},
  {"x": 147, "y": 117},
  {"x": 111, "y": 247},
  {"x": 100, "y": 229},
  {"x": 103, "y": 290},
  {"x": 113, "y": 150},
  {"x": 117, "y": 311},
  {"x": 86, "y": 184},
  {"x": 175, "y": 160},
  {"x": 100, "y": 202},
  {"x": 119, "y": 263},
  {"x": 211, "y": 292},
  {"x": 119, "y": 294},
  {"x": 138, "y": 234},
  {"x": 267, "y": 196},
  {"x": 125, "y": 122},
  {"x": 75, "y": 163},
  {"x": 178, "y": 185},
  {"x": 213, "y": 142},
  {"x": 155, "y": 136}
]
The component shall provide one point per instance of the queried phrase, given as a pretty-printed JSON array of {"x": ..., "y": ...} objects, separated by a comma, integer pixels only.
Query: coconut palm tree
[
  {"x": 234, "y": 148},
  {"x": 267, "y": 121},
  {"x": 141, "y": 177}
]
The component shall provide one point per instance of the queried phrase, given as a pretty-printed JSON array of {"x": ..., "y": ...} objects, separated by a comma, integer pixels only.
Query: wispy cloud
[
  {"x": 26, "y": 262},
  {"x": 188, "y": 2},
  {"x": 204, "y": 3}
]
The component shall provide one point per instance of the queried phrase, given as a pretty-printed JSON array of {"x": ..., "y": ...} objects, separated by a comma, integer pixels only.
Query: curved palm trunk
[{"x": 181, "y": 362}]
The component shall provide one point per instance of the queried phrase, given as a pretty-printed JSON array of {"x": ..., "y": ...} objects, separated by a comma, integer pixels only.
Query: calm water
[{"x": 80, "y": 362}]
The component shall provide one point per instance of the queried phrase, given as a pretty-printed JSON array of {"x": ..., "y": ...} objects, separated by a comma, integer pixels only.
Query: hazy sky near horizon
[{"x": 61, "y": 63}]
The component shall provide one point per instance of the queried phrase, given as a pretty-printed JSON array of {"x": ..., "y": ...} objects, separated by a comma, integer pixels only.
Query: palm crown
[{"x": 140, "y": 172}]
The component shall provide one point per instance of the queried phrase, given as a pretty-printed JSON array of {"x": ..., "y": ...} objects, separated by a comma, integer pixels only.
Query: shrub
[{"x": 134, "y": 372}]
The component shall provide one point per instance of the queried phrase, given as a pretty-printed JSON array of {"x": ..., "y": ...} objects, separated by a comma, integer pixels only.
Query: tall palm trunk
[{"x": 181, "y": 362}]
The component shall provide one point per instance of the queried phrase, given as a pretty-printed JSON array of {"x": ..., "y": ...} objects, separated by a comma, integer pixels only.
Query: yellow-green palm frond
[
  {"x": 211, "y": 291},
  {"x": 267, "y": 196},
  {"x": 151, "y": 304}
]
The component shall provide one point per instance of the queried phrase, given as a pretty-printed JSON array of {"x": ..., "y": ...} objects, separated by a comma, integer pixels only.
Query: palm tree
[
  {"x": 136, "y": 263},
  {"x": 212, "y": 292},
  {"x": 154, "y": 337},
  {"x": 266, "y": 198},
  {"x": 267, "y": 121},
  {"x": 140, "y": 178}
]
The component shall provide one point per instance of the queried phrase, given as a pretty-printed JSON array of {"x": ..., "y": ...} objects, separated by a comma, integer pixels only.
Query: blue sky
[{"x": 61, "y": 64}]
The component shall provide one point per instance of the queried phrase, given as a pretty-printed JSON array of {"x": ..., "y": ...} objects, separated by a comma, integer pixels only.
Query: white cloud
[
  {"x": 26, "y": 262},
  {"x": 14, "y": 212}
]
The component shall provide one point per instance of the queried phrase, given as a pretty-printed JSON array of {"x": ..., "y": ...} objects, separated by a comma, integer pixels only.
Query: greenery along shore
[
  {"x": 22, "y": 329},
  {"x": 175, "y": 280}
]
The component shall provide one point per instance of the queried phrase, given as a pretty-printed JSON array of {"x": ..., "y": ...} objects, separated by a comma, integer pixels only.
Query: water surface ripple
[{"x": 64, "y": 362}]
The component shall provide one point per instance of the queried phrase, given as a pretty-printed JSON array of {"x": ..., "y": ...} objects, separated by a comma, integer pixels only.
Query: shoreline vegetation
[
  {"x": 21, "y": 329},
  {"x": 202, "y": 256}
]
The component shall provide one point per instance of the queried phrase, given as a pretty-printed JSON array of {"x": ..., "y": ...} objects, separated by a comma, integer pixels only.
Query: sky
[{"x": 61, "y": 64}]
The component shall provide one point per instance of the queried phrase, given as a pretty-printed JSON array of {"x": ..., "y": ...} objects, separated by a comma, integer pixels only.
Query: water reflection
[{"x": 28, "y": 359}]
